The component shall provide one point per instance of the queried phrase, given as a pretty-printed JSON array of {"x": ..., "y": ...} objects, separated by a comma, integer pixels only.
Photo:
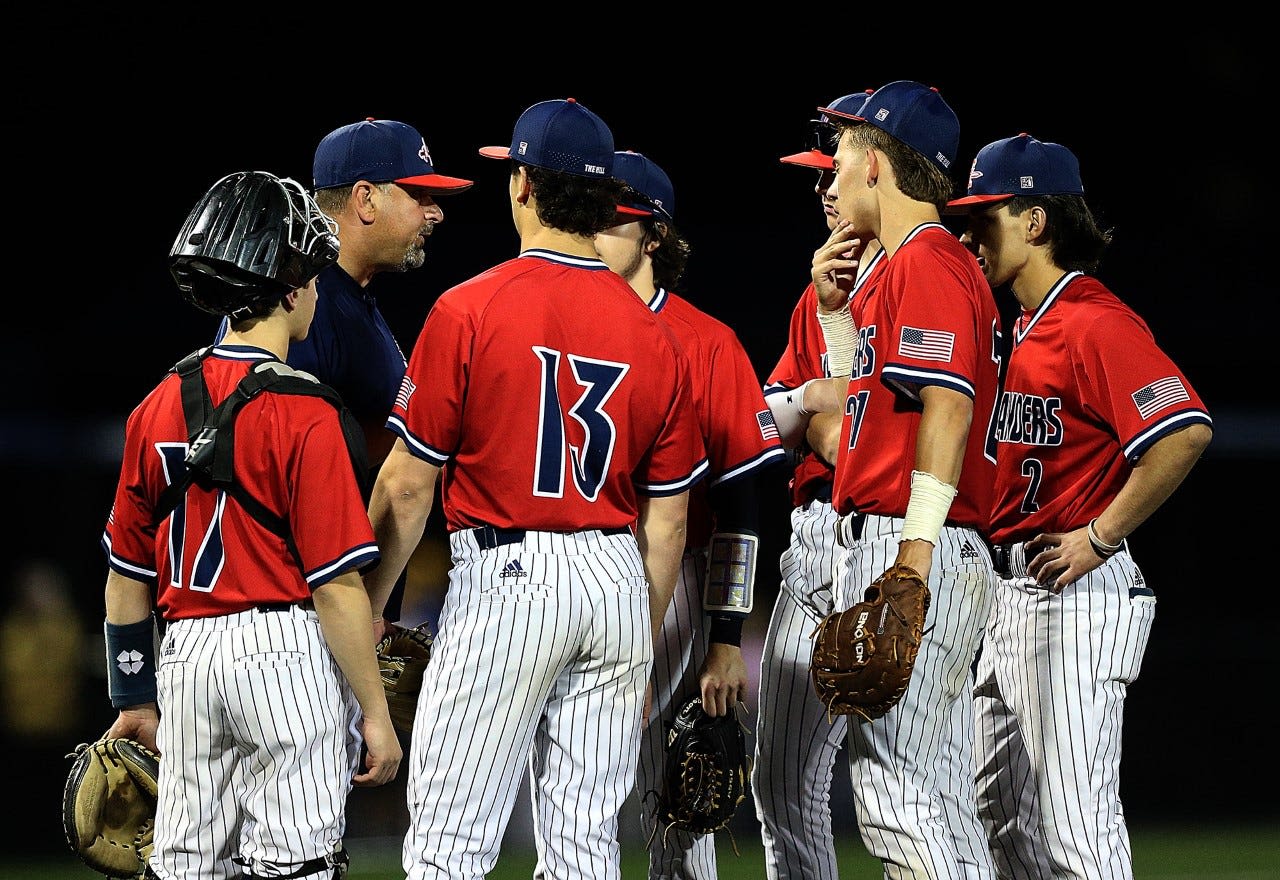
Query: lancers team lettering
[{"x": 1029, "y": 419}]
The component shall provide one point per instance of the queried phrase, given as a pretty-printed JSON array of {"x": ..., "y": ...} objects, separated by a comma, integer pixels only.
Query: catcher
[{"x": 264, "y": 689}]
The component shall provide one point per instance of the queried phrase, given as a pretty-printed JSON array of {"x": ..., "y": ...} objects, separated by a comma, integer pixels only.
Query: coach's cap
[
  {"x": 1019, "y": 166},
  {"x": 916, "y": 115},
  {"x": 379, "y": 151},
  {"x": 560, "y": 135},
  {"x": 816, "y": 156},
  {"x": 644, "y": 176}
]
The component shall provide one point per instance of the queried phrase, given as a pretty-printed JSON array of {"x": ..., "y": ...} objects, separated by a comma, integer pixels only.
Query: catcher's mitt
[
  {"x": 109, "y": 805},
  {"x": 863, "y": 656},
  {"x": 402, "y": 657},
  {"x": 706, "y": 770}
]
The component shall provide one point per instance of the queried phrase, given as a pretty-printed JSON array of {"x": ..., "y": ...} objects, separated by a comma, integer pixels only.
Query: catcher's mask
[{"x": 249, "y": 241}]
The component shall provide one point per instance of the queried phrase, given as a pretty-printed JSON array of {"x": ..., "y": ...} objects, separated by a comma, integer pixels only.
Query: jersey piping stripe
[
  {"x": 769, "y": 455},
  {"x": 566, "y": 259}
]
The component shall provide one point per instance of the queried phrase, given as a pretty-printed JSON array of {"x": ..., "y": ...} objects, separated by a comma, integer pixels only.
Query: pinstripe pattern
[
  {"x": 899, "y": 764},
  {"x": 677, "y": 658},
  {"x": 1052, "y": 681},
  {"x": 796, "y": 745},
  {"x": 251, "y": 768},
  {"x": 548, "y": 666}
]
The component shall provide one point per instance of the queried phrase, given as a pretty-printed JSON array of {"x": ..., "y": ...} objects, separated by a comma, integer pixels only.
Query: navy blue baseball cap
[
  {"x": 1020, "y": 166},
  {"x": 644, "y": 176},
  {"x": 560, "y": 135},
  {"x": 379, "y": 151},
  {"x": 846, "y": 107},
  {"x": 916, "y": 115}
]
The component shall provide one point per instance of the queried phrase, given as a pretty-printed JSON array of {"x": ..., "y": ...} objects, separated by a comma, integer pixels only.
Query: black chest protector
[{"x": 211, "y": 433}]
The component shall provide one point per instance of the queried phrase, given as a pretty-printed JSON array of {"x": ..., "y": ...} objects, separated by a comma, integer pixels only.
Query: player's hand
[
  {"x": 916, "y": 554},
  {"x": 381, "y": 628},
  {"x": 723, "y": 679},
  {"x": 382, "y": 752},
  {"x": 1057, "y": 560},
  {"x": 835, "y": 266},
  {"x": 137, "y": 723}
]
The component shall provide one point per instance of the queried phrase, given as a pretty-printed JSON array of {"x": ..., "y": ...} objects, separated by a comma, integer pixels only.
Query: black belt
[
  {"x": 305, "y": 605},
  {"x": 489, "y": 537},
  {"x": 1002, "y": 559},
  {"x": 822, "y": 493},
  {"x": 847, "y": 535}
]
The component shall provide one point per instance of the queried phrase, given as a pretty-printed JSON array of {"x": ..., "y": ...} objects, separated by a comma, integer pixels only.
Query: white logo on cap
[
  {"x": 594, "y": 169},
  {"x": 1026, "y": 181},
  {"x": 524, "y": 145},
  {"x": 424, "y": 154},
  {"x": 882, "y": 114}
]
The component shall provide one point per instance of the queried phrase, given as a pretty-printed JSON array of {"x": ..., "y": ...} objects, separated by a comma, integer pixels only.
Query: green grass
[{"x": 1173, "y": 853}]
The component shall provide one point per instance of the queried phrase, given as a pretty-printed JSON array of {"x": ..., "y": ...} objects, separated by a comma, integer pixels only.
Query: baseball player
[
  {"x": 920, "y": 343},
  {"x": 698, "y": 649},
  {"x": 251, "y": 699},
  {"x": 376, "y": 179},
  {"x": 797, "y": 742},
  {"x": 1095, "y": 430},
  {"x": 553, "y": 428}
]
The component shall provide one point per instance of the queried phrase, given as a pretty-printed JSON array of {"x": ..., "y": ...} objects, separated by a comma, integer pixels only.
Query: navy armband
[
  {"x": 726, "y": 629},
  {"x": 131, "y": 662}
]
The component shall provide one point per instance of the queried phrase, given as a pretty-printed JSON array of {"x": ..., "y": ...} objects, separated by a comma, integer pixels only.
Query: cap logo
[
  {"x": 942, "y": 160},
  {"x": 524, "y": 145},
  {"x": 424, "y": 154},
  {"x": 882, "y": 114},
  {"x": 974, "y": 173},
  {"x": 593, "y": 169},
  {"x": 1026, "y": 181}
]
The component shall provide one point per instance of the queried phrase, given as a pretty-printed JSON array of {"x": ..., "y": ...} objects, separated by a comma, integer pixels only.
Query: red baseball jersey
[
  {"x": 925, "y": 316},
  {"x": 552, "y": 416},
  {"x": 805, "y": 358},
  {"x": 210, "y": 557},
  {"x": 736, "y": 425},
  {"x": 1088, "y": 391}
]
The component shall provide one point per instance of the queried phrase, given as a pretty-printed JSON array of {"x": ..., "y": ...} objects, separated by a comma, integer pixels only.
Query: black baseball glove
[
  {"x": 706, "y": 770},
  {"x": 109, "y": 805}
]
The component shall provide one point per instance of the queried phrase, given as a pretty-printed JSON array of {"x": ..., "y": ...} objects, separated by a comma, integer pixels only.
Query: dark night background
[{"x": 1171, "y": 139}]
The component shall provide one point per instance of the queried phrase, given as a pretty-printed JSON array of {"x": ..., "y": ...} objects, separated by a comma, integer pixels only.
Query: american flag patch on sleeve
[
  {"x": 1158, "y": 395},
  {"x": 768, "y": 430},
  {"x": 406, "y": 391},
  {"x": 928, "y": 345}
]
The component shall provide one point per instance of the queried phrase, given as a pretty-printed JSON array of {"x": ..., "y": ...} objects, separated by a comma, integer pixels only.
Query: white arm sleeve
[{"x": 789, "y": 415}]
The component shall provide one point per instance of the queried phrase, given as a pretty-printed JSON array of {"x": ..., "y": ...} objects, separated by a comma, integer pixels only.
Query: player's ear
[{"x": 523, "y": 188}]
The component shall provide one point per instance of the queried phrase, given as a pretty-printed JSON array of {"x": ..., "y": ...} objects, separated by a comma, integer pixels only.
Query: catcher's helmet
[{"x": 249, "y": 241}]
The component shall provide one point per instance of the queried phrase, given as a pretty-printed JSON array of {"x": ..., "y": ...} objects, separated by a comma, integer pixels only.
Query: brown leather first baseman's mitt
[
  {"x": 707, "y": 766},
  {"x": 109, "y": 805},
  {"x": 402, "y": 658},
  {"x": 863, "y": 656}
]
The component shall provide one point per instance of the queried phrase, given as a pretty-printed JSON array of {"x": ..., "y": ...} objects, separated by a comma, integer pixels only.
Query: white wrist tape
[
  {"x": 927, "y": 510},
  {"x": 841, "y": 336}
]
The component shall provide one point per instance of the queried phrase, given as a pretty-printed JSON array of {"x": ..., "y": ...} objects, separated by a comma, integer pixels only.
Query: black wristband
[{"x": 726, "y": 629}]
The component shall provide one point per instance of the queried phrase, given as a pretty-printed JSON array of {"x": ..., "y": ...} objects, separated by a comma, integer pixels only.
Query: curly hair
[
  {"x": 918, "y": 177},
  {"x": 1076, "y": 241},
  {"x": 572, "y": 203}
]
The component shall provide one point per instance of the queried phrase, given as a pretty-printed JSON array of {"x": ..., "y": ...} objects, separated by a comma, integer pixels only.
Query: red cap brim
[
  {"x": 828, "y": 111},
  {"x": 962, "y": 206},
  {"x": 496, "y": 152},
  {"x": 438, "y": 183},
  {"x": 633, "y": 212},
  {"x": 810, "y": 159}
]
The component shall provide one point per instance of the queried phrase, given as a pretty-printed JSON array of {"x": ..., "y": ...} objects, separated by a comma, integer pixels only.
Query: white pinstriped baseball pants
[
  {"x": 259, "y": 742},
  {"x": 909, "y": 769},
  {"x": 1052, "y": 681},
  {"x": 541, "y": 659}
]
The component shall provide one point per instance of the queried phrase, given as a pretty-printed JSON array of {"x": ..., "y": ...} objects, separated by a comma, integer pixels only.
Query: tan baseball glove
[
  {"x": 863, "y": 656},
  {"x": 109, "y": 805},
  {"x": 403, "y": 654}
]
